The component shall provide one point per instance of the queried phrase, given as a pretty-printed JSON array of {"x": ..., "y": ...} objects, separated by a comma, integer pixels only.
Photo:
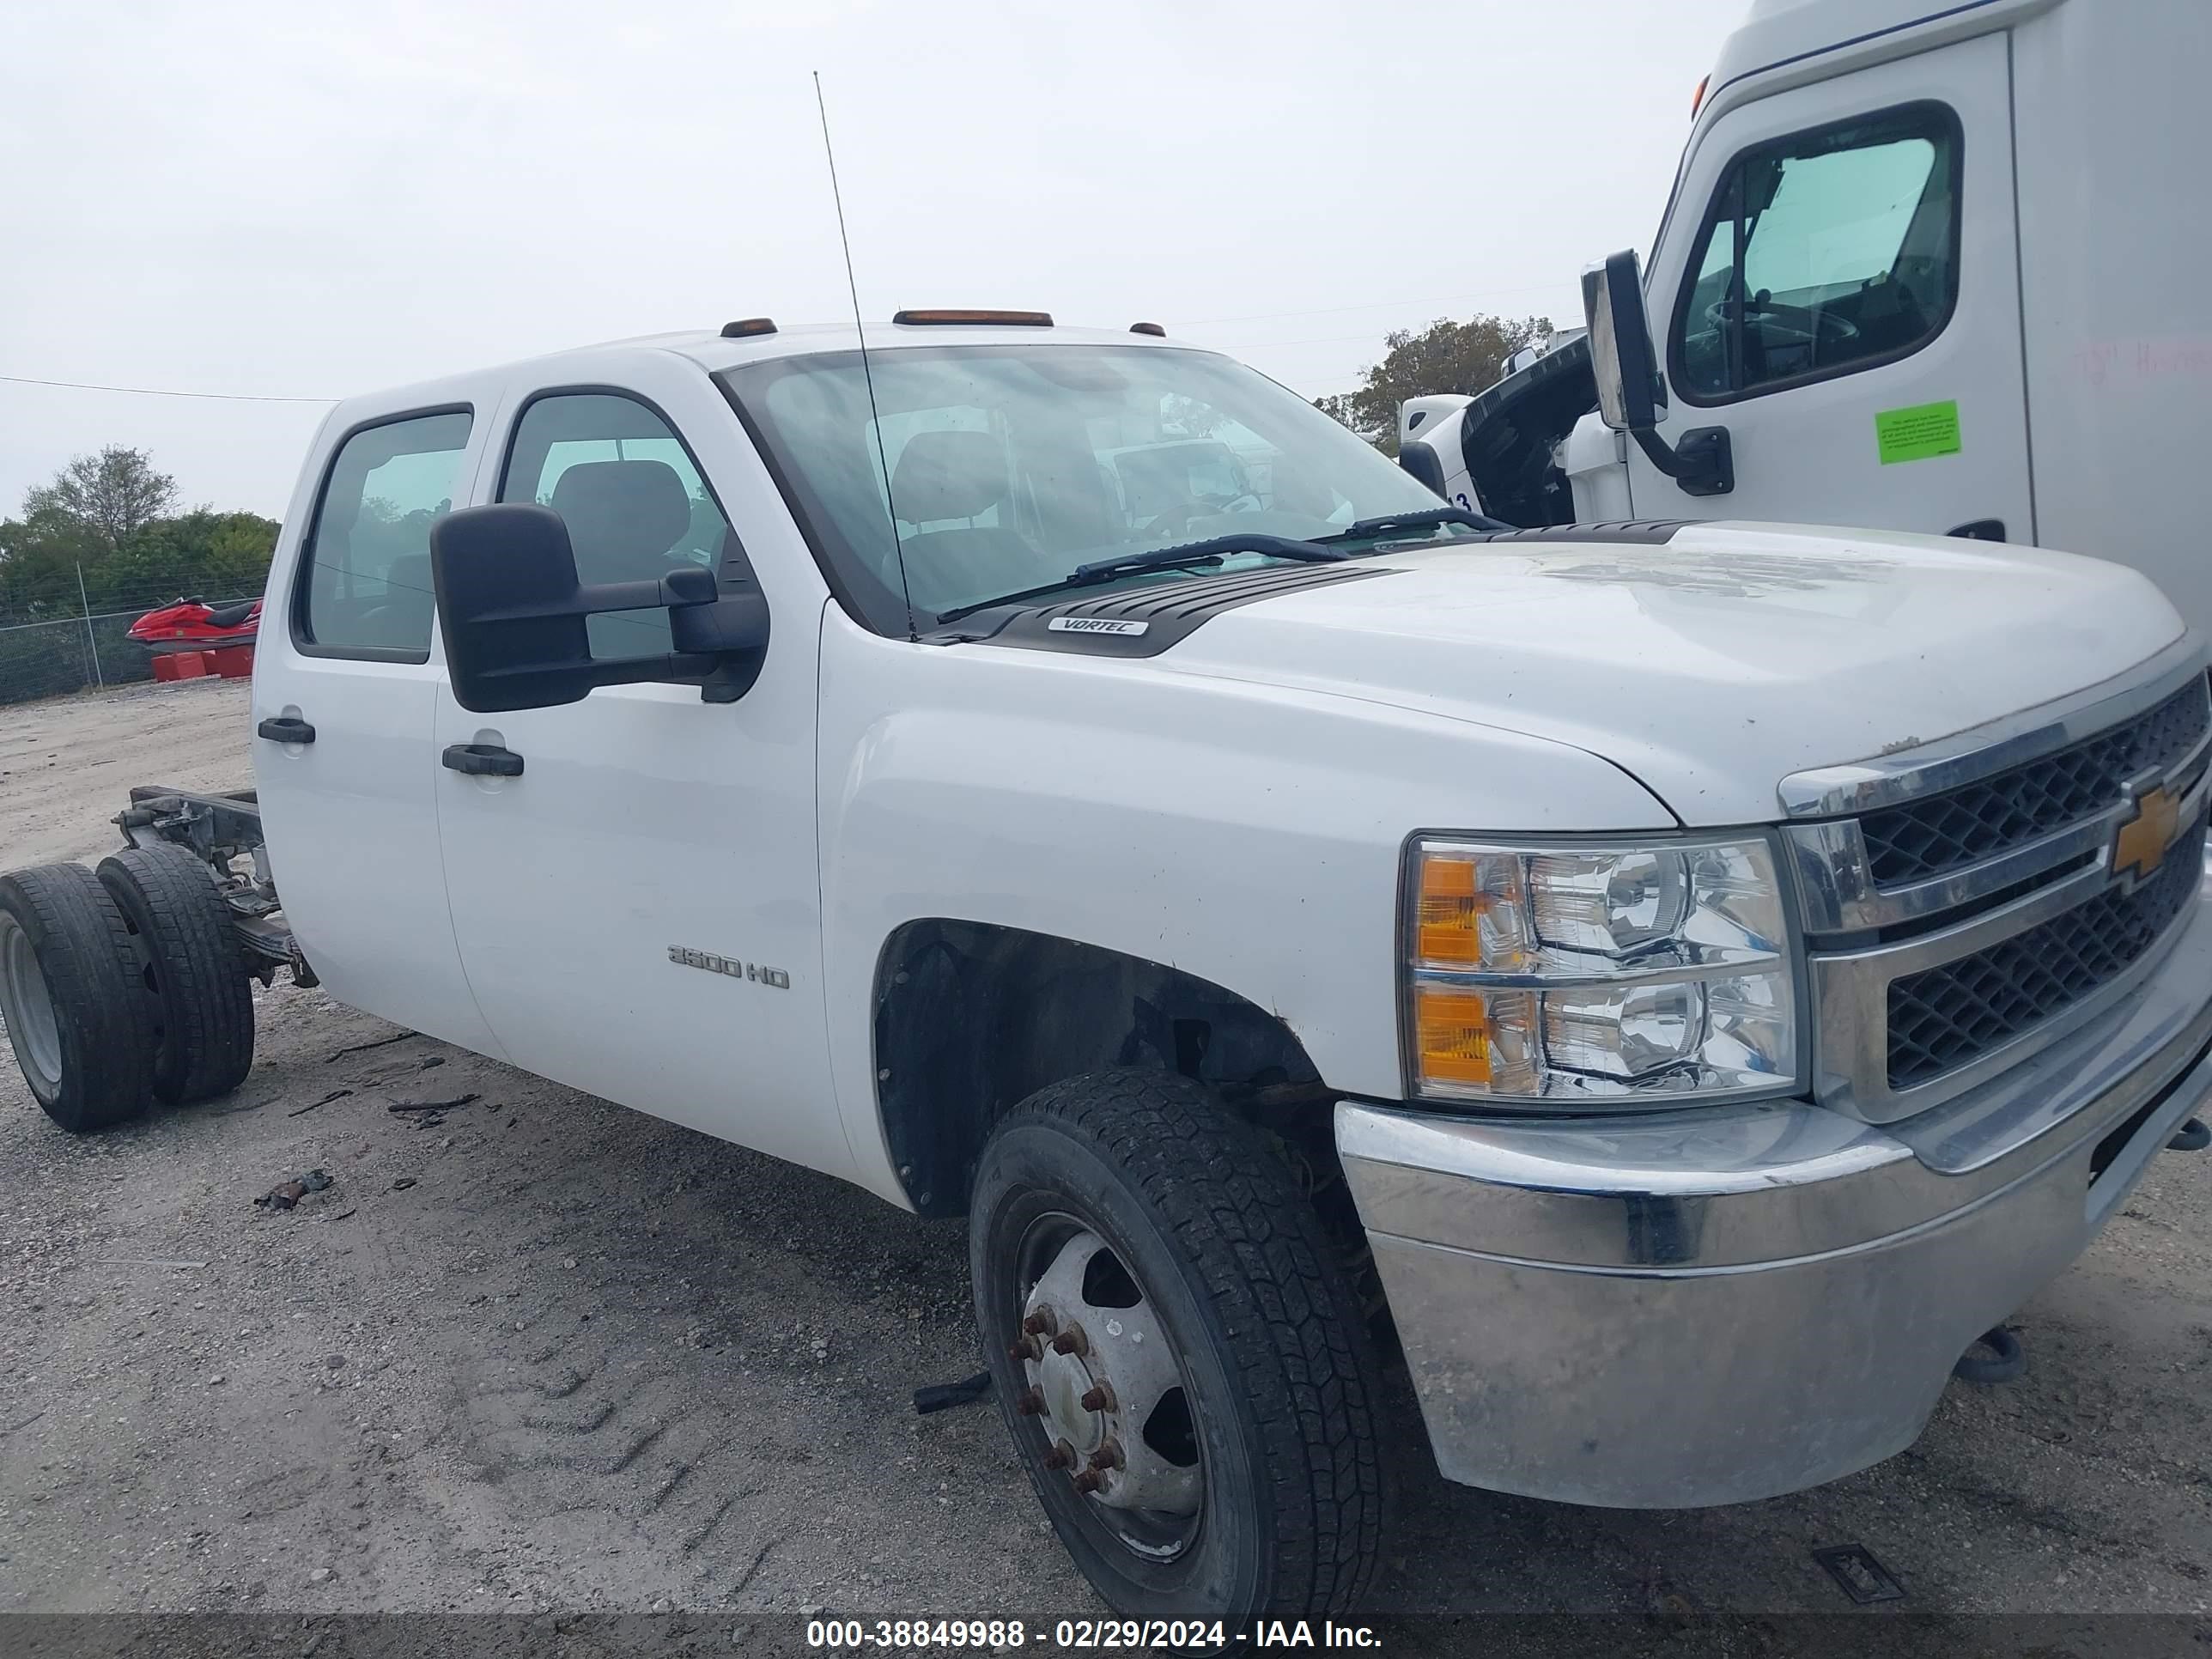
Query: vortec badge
[
  {"x": 2144, "y": 839},
  {"x": 1094, "y": 625}
]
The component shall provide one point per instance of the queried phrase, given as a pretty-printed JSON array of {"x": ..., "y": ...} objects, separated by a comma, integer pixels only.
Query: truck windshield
[{"x": 1011, "y": 466}]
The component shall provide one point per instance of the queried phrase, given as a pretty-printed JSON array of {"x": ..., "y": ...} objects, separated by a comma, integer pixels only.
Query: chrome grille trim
[
  {"x": 1850, "y": 998},
  {"x": 1837, "y": 890},
  {"x": 2051, "y": 876},
  {"x": 1947, "y": 1017},
  {"x": 1938, "y": 835}
]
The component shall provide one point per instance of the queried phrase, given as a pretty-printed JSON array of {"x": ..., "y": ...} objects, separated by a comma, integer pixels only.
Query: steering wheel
[
  {"x": 1173, "y": 519},
  {"x": 1787, "y": 325}
]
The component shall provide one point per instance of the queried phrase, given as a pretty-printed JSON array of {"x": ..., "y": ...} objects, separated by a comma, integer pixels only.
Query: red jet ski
[{"x": 195, "y": 625}]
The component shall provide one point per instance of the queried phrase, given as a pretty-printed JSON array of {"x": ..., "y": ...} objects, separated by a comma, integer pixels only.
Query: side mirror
[
  {"x": 1631, "y": 394},
  {"x": 512, "y": 613}
]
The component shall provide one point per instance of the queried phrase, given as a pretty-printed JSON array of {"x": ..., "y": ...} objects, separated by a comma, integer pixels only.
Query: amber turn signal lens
[
  {"x": 1451, "y": 1033},
  {"x": 1447, "y": 928}
]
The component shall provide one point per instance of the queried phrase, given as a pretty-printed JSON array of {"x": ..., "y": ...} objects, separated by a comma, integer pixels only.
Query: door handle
[
  {"x": 285, "y": 728},
  {"x": 483, "y": 760}
]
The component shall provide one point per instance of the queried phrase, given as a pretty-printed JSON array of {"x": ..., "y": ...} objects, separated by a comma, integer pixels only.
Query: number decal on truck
[{"x": 774, "y": 978}]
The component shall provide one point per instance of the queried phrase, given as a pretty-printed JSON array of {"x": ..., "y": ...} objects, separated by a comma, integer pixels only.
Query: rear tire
[
  {"x": 189, "y": 968},
  {"x": 1131, "y": 1204},
  {"x": 77, "y": 1019}
]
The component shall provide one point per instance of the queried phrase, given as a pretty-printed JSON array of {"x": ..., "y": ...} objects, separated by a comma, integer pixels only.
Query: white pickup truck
[{"x": 1679, "y": 984}]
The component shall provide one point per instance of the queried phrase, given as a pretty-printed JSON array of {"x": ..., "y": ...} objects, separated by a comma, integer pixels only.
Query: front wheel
[{"x": 1176, "y": 1354}]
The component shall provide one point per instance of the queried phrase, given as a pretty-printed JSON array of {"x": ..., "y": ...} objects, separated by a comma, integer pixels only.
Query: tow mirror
[
  {"x": 1631, "y": 395},
  {"x": 512, "y": 612}
]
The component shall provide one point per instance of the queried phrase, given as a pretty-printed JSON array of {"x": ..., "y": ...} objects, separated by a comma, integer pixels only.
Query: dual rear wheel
[{"x": 123, "y": 986}]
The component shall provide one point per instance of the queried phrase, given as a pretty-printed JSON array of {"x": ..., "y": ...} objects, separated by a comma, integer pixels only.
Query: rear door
[
  {"x": 639, "y": 908},
  {"x": 344, "y": 695},
  {"x": 1839, "y": 287}
]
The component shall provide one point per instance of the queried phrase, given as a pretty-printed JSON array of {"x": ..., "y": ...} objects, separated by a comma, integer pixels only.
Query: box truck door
[{"x": 1837, "y": 284}]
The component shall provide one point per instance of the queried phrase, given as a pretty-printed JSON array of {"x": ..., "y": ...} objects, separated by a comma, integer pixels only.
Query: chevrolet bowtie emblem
[{"x": 2144, "y": 839}]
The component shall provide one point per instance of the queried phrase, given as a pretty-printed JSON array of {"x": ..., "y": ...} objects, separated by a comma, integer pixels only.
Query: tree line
[
  {"x": 1445, "y": 356},
  {"x": 111, "y": 519}
]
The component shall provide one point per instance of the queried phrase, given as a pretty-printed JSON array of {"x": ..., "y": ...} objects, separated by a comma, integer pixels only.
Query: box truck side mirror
[{"x": 1631, "y": 395}]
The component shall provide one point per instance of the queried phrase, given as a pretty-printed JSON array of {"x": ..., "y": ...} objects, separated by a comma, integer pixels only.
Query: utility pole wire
[{"x": 162, "y": 392}]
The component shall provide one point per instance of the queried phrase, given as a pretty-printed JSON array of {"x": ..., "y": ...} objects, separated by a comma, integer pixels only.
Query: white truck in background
[
  {"x": 1677, "y": 985},
  {"x": 1924, "y": 266}
]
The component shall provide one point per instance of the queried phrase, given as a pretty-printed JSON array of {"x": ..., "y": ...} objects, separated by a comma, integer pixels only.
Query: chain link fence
[{"x": 52, "y": 655}]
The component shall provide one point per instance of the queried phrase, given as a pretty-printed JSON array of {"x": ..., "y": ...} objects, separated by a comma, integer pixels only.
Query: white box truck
[{"x": 1929, "y": 267}]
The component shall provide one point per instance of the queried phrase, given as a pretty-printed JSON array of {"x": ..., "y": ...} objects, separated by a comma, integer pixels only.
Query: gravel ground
[{"x": 536, "y": 1353}]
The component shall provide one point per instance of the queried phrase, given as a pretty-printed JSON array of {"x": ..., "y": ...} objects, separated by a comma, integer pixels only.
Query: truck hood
[{"x": 1712, "y": 665}]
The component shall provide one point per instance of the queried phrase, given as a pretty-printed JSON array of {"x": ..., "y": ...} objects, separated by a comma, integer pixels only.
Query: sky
[{"x": 304, "y": 201}]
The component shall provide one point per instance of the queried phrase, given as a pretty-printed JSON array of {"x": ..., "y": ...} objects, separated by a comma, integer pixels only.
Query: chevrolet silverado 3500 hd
[{"x": 1700, "y": 976}]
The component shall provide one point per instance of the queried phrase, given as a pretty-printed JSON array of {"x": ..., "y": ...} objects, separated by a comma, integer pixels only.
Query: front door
[
  {"x": 344, "y": 695},
  {"x": 638, "y": 909},
  {"x": 1839, "y": 286}
]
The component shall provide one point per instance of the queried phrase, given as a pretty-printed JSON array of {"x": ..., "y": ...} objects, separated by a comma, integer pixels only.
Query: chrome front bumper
[{"x": 1707, "y": 1307}]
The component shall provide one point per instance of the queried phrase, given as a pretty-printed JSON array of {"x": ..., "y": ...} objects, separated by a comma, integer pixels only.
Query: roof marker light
[
  {"x": 748, "y": 327},
  {"x": 1697, "y": 98},
  {"x": 1017, "y": 319}
]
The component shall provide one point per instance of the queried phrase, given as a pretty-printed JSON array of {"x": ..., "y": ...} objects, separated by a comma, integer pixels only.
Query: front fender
[{"x": 1248, "y": 834}]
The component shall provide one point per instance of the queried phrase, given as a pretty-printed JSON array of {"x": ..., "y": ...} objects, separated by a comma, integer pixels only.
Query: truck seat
[
  {"x": 623, "y": 517},
  {"x": 944, "y": 476}
]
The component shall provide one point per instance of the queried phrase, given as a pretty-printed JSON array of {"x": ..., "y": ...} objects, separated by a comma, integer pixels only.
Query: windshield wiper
[
  {"x": 1425, "y": 517},
  {"x": 1212, "y": 550}
]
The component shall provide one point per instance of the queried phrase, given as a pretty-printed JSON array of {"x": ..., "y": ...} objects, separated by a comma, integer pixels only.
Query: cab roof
[
  {"x": 1775, "y": 33},
  {"x": 713, "y": 351}
]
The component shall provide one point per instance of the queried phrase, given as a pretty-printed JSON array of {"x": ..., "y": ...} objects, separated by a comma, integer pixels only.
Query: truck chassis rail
[{"x": 223, "y": 830}]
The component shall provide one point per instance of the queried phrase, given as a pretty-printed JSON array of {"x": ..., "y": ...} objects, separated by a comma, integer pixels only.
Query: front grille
[
  {"x": 1926, "y": 838},
  {"x": 1944, "y": 1018}
]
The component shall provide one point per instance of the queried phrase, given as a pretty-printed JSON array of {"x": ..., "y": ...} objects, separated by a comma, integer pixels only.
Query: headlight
[{"x": 1598, "y": 974}]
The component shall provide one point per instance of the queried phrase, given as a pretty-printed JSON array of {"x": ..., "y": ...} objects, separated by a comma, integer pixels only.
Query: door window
[
  {"x": 368, "y": 557},
  {"x": 1822, "y": 253},
  {"x": 630, "y": 494}
]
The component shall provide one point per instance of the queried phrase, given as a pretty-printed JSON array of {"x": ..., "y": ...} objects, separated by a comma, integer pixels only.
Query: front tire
[
  {"x": 1231, "y": 1470},
  {"x": 68, "y": 991}
]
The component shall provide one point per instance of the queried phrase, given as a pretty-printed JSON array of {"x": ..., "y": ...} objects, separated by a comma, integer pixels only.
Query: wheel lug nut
[
  {"x": 1030, "y": 1403},
  {"x": 1099, "y": 1398},
  {"x": 1041, "y": 1324},
  {"x": 1027, "y": 1348},
  {"x": 1059, "y": 1455},
  {"x": 1090, "y": 1481},
  {"x": 1108, "y": 1457},
  {"x": 1071, "y": 1340}
]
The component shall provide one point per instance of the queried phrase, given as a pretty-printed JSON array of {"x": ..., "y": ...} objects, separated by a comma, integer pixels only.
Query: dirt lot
[{"x": 537, "y": 1352}]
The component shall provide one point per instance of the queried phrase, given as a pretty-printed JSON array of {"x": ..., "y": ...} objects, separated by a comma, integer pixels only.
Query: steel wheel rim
[
  {"x": 1152, "y": 1536},
  {"x": 29, "y": 1006}
]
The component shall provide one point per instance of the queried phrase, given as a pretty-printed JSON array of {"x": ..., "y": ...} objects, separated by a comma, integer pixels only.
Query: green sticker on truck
[{"x": 1917, "y": 434}]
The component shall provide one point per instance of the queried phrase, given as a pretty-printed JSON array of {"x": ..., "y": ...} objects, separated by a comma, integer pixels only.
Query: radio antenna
[{"x": 875, "y": 416}]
